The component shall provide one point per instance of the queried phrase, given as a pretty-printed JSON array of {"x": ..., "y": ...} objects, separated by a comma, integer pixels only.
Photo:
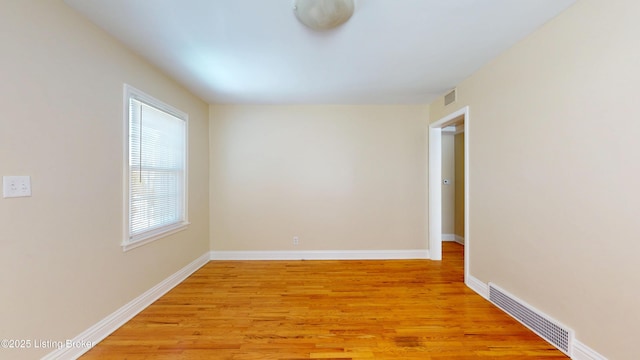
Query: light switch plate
[{"x": 16, "y": 186}]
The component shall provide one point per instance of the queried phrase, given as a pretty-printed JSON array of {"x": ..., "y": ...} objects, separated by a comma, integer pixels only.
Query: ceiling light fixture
[{"x": 322, "y": 15}]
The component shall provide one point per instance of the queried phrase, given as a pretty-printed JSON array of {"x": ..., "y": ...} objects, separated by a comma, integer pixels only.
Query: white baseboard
[
  {"x": 453, "y": 237},
  {"x": 321, "y": 255},
  {"x": 106, "y": 326},
  {"x": 478, "y": 286},
  {"x": 579, "y": 351},
  {"x": 111, "y": 323},
  {"x": 583, "y": 352}
]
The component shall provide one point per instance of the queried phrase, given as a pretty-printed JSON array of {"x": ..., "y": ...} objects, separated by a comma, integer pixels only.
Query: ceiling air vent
[{"x": 450, "y": 97}]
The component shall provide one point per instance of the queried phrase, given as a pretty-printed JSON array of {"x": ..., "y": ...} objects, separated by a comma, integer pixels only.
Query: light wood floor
[{"x": 415, "y": 309}]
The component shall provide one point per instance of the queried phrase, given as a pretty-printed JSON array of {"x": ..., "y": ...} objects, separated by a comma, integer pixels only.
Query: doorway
[
  {"x": 461, "y": 119},
  {"x": 453, "y": 185}
]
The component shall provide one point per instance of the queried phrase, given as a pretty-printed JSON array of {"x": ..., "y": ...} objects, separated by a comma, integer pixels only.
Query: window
[{"x": 155, "y": 169}]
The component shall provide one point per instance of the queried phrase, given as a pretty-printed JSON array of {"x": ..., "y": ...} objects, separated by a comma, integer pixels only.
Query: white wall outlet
[
  {"x": 296, "y": 240},
  {"x": 16, "y": 186}
]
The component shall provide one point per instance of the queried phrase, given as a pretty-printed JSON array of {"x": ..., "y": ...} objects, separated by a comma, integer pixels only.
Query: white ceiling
[{"x": 255, "y": 51}]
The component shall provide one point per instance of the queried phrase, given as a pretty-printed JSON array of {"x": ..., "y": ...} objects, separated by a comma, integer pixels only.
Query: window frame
[{"x": 131, "y": 242}]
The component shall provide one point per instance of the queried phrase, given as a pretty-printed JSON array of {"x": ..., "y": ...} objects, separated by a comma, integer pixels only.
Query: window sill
[{"x": 153, "y": 236}]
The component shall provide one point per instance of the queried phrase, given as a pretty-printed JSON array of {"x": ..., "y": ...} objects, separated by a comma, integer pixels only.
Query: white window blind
[{"x": 157, "y": 167}]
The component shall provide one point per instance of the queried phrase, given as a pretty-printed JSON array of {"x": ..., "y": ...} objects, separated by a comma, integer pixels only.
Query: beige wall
[
  {"x": 448, "y": 191},
  {"x": 62, "y": 268},
  {"x": 339, "y": 177},
  {"x": 554, "y": 162},
  {"x": 459, "y": 184}
]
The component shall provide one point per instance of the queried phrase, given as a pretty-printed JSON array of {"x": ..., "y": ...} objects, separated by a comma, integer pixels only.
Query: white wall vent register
[{"x": 555, "y": 333}]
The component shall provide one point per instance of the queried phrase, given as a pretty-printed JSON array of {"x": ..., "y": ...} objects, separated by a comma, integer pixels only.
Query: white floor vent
[{"x": 555, "y": 333}]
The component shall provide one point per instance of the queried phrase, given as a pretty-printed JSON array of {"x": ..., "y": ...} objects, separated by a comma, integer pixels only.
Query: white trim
[
  {"x": 126, "y": 246},
  {"x": 128, "y": 243},
  {"x": 467, "y": 197},
  {"x": 581, "y": 351},
  {"x": 435, "y": 193},
  {"x": 453, "y": 237},
  {"x": 125, "y": 162},
  {"x": 478, "y": 286},
  {"x": 435, "y": 190},
  {"x": 448, "y": 237},
  {"x": 111, "y": 323},
  {"x": 106, "y": 326},
  {"x": 321, "y": 255}
]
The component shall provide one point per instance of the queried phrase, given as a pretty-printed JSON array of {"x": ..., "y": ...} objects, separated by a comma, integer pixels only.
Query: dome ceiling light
[{"x": 323, "y": 15}]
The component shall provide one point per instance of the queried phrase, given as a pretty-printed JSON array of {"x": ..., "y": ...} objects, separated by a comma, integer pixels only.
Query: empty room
[{"x": 319, "y": 179}]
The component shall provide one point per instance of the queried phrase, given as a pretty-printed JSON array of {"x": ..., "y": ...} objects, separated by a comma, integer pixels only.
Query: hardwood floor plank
[{"x": 398, "y": 309}]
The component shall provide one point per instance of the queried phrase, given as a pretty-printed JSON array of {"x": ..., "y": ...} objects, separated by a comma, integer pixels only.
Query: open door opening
[{"x": 459, "y": 120}]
